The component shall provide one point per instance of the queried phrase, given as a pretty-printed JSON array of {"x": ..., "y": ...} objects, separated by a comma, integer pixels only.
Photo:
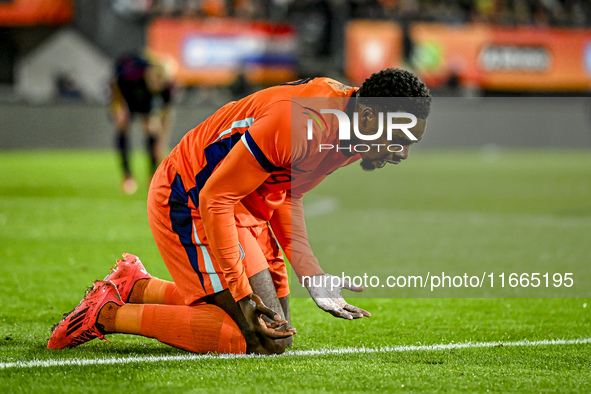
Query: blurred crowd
[{"x": 570, "y": 13}]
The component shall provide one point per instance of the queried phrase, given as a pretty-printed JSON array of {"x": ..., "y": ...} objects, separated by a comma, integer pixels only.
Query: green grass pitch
[{"x": 63, "y": 222}]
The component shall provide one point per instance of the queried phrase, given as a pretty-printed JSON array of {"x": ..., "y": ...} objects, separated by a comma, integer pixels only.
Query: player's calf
[{"x": 201, "y": 328}]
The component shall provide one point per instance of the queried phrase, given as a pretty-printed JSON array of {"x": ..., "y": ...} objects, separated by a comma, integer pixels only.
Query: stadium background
[{"x": 57, "y": 56}]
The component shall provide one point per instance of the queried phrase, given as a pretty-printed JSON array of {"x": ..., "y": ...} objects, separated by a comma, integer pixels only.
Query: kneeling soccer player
[{"x": 220, "y": 207}]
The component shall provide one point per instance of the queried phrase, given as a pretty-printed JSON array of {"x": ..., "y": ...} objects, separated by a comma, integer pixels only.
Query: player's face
[{"x": 378, "y": 156}]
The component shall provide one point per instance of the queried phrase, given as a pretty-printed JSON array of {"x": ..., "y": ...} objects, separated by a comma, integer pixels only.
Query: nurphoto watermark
[{"x": 344, "y": 130}]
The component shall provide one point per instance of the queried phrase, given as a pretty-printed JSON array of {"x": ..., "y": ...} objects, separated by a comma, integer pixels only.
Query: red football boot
[
  {"x": 125, "y": 273},
  {"x": 80, "y": 325}
]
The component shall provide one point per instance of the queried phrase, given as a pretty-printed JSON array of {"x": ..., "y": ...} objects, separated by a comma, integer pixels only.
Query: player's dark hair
[{"x": 396, "y": 82}]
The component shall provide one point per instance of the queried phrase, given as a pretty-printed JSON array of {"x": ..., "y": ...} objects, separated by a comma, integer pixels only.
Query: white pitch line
[{"x": 321, "y": 352}]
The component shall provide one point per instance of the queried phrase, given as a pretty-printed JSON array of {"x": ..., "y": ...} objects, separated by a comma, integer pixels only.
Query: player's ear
[{"x": 366, "y": 116}]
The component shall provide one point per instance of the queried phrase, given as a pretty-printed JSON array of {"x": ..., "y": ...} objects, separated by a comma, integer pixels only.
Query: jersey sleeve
[
  {"x": 275, "y": 139},
  {"x": 236, "y": 177}
]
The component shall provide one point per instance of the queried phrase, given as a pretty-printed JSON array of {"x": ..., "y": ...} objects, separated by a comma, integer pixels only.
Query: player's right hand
[
  {"x": 253, "y": 308},
  {"x": 326, "y": 293}
]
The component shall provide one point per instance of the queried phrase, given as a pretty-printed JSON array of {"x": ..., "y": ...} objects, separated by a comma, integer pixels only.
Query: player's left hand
[
  {"x": 328, "y": 296},
  {"x": 254, "y": 309}
]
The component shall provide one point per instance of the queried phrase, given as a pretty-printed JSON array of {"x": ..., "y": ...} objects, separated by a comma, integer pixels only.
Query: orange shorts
[{"x": 179, "y": 234}]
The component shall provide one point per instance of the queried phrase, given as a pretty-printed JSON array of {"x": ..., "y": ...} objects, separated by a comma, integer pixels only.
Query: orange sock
[
  {"x": 201, "y": 329},
  {"x": 155, "y": 291}
]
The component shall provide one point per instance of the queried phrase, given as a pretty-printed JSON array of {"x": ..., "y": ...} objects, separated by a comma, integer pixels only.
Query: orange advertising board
[
  {"x": 442, "y": 50},
  {"x": 371, "y": 46},
  {"x": 214, "y": 51},
  {"x": 36, "y": 12},
  {"x": 548, "y": 59},
  {"x": 495, "y": 58}
]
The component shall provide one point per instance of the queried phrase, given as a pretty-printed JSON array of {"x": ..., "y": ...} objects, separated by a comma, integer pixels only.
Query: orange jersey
[
  {"x": 252, "y": 160},
  {"x": 263, "y": 122}
]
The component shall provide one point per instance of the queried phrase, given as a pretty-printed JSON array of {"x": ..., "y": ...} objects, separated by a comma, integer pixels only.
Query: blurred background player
[{"x": 141, "y": 86}]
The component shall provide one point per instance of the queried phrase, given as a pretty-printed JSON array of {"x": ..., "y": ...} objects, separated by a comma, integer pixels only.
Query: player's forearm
[
  {"x": 289, "y": 227},
  {"x": 236, "y": 177},
  {"x": 220, "y": 228}
]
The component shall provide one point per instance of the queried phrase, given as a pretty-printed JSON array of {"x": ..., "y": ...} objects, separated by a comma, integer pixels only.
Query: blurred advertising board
[
  {"x": 213, "y": 52},
  {"x": 497, "y": 58},
  {"x": 371, "y": 46},
  {"x": 35, "y": 12}
]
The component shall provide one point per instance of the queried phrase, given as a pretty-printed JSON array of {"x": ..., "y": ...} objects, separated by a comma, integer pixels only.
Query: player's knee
[
  {"x": 265, "y": 345},
  {"x": 278, "y": 346},
  {"x": 215, "y": 331},
  {"x": 289, "y": 341},
  {"x": 231, "y": 339},
  {"x": 121, "y": 119}
]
